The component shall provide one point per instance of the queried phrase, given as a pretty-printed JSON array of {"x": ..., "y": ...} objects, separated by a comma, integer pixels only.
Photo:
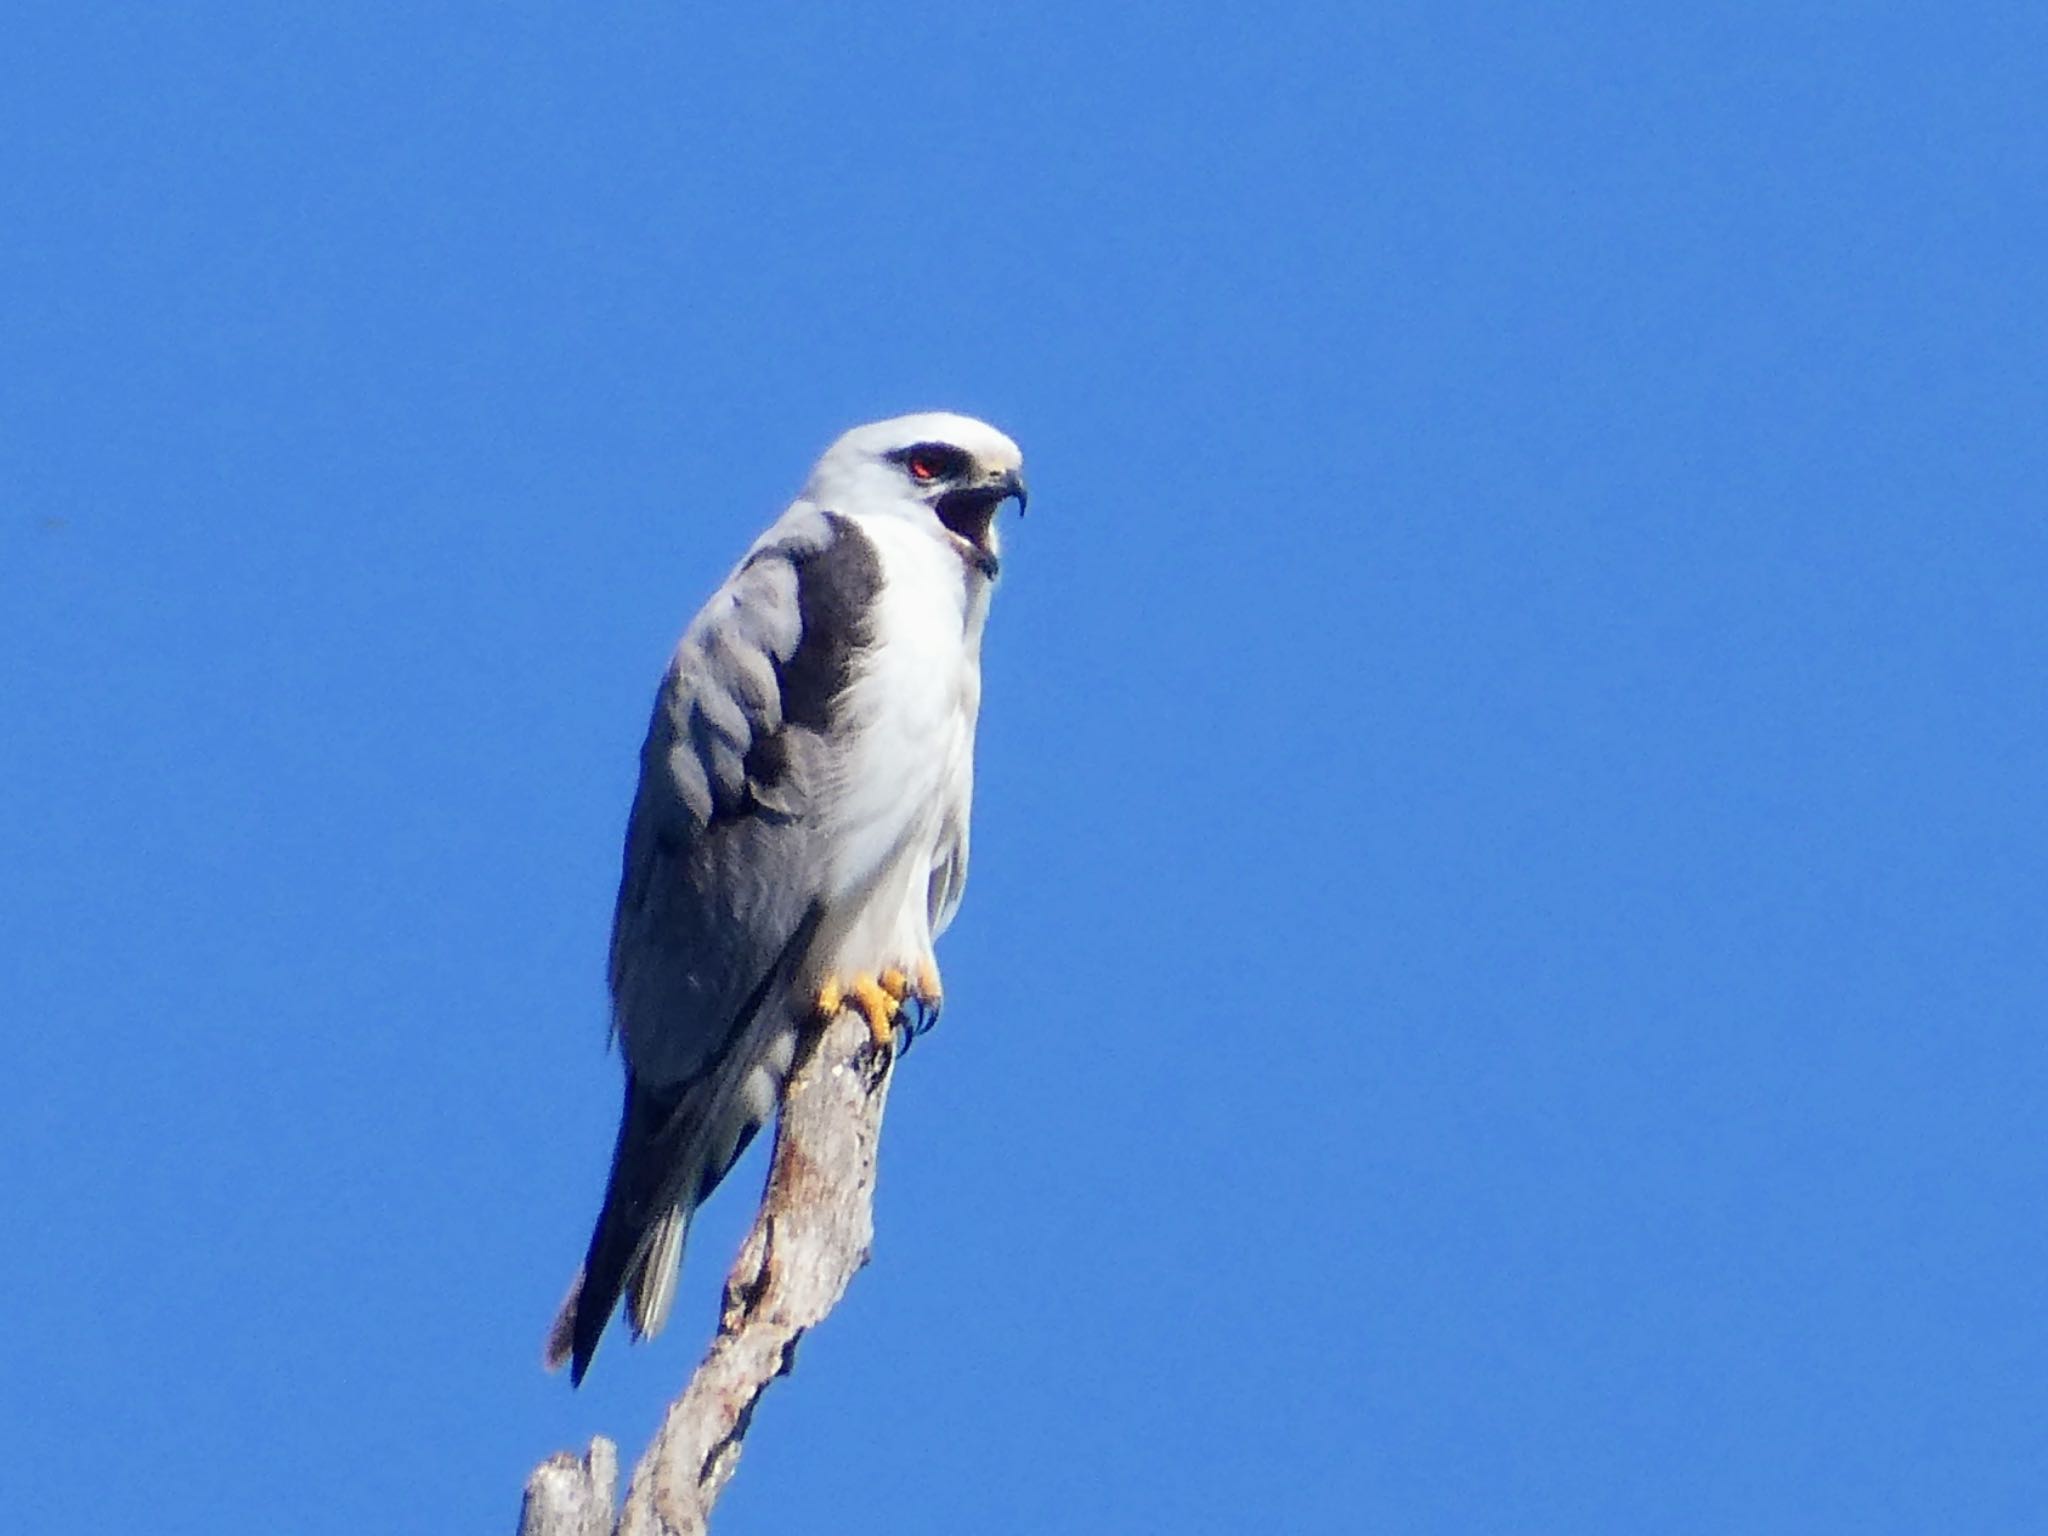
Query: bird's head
[{"x": 947, "y": 472}]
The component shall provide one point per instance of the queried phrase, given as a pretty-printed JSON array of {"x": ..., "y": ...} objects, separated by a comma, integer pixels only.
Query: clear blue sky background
[{"x": 1503, "y": 983}]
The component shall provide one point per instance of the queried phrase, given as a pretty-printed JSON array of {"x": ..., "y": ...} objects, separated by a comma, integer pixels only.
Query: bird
[{"x": 799, "y": 835}]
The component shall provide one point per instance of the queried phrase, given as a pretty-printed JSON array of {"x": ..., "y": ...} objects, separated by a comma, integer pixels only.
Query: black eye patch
[{"x": 929, "y": 463}]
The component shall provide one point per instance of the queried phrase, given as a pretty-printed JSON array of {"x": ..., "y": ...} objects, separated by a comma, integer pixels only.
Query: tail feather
[
  {"x": 638, "y": 1240},
  {"x": 652, "y": 1289},
  {"x": 650, "y": 1292},
  {"x": 562, "y": 1331}
]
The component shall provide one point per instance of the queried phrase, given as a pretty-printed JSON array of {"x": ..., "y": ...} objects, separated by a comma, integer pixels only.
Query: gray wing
[
  {"x": 718, "y": 897},
  {"x": 716, "y": 832}
]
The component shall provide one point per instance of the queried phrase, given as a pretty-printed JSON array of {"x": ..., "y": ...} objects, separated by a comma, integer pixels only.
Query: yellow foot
[
  {"x": 874, "y": 999},
  {"x": 879, "y": 1007},
  {"x": 917, "y": 1000},
  {"x": 925, "y": 991},
  {"x": 882, "y": 998}
]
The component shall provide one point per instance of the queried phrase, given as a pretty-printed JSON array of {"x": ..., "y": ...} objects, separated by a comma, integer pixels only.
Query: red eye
[{"x": 923, "y": 469}]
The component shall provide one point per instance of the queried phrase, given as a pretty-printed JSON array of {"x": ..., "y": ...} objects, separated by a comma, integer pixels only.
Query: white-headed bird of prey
[{"x": 799, "y": 836}]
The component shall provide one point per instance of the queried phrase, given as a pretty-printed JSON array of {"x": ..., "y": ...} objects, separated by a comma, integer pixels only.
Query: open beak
[{"x": 970, "y": 513}]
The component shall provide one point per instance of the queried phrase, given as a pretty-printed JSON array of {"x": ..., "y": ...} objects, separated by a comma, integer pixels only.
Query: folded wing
[{"x": 720, "y": 898}]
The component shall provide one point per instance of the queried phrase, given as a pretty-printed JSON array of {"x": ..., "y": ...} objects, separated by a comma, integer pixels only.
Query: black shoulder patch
[{"x": 835, "y": 591}]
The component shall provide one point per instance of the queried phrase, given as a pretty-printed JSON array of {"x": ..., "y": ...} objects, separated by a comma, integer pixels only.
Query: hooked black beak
[{"x": 1012, "y": 485}]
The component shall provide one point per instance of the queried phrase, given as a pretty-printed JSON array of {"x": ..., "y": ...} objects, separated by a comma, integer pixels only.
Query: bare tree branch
[
  {"x": 568, "y": 1497},
  {"x": 813, "y": 1233}
]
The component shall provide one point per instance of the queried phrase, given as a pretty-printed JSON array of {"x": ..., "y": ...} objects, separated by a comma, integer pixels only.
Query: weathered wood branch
[
  {"x": 568, "y": 1496},
  {"x": 812, "y": 1235}
]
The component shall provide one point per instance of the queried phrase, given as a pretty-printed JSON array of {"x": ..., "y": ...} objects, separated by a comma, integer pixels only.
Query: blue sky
[{"x": 1503, "y": 981}]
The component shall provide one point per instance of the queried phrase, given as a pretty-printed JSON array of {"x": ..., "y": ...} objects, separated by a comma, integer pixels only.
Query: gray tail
[
  {"x": 662, "y": 1168},
  {"x": 637, "y": 1244}
]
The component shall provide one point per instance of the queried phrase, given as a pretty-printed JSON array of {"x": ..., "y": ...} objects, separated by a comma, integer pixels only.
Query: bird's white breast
[{"x": 912, "y": 704}]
